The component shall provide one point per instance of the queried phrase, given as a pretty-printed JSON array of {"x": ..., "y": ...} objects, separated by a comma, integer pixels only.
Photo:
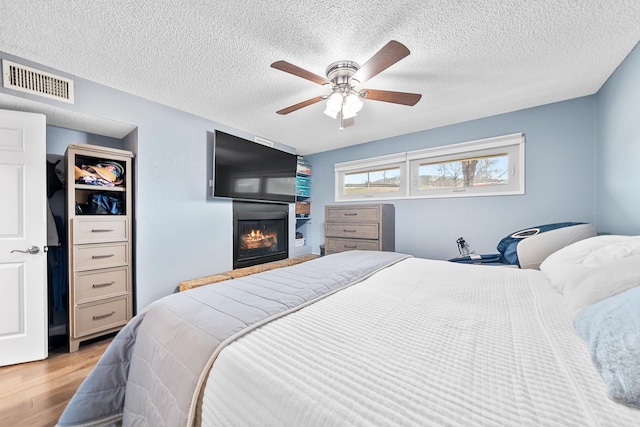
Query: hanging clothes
[
  {"x": 53, "y": 239},
  {"x": 57, "y": 259}
]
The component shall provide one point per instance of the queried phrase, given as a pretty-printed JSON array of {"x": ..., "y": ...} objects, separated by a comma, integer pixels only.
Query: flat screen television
[{"x": 247, "y": 170}]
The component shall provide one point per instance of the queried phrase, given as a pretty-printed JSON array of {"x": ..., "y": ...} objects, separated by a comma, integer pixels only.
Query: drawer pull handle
[
  {"x": 351, "y": 214},
  {"x": 348, "y": 231},
  {"x": 351, "y": 247},
  {"x": 103, "y": 316},
  {"x": 102, "y": 256},
  {"x": 102, "y": 285},
  {"x": 101, "y": 230}
]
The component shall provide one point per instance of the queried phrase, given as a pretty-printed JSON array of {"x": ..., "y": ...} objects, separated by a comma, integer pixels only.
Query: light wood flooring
[{"x": 36, "y": 393}]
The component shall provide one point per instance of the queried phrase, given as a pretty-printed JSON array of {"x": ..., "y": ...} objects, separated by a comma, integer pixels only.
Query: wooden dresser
[
  {"x": 100, "y": 279},
  {"x": 362, "y": 227}
]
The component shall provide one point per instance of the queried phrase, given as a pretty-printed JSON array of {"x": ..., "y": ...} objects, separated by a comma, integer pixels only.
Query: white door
[{"x": 23, "y": 219}]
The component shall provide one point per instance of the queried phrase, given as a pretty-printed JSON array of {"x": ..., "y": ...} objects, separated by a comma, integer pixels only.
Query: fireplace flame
[
  {"x": 256, "y": 235},
  {"x": 257, "y": 239}
]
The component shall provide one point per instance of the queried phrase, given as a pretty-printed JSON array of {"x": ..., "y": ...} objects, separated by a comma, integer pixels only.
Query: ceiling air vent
[
  {"x": 264, "y": 142},
  {"x": 29, "y": 80}
]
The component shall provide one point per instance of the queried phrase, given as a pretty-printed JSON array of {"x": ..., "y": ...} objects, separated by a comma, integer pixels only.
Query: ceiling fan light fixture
[
  {"x": 346, "y": 114},
  {"x": 345, "y": 102},
  {"x": 334, "y": 105},
  {"x": 331, "y": 113},
  {"x": 335, "y": 100},
  {"x": 352, "y": 105}
]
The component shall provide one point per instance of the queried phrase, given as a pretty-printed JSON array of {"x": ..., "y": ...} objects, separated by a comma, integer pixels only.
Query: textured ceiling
[{"x": 469, "y": 59}]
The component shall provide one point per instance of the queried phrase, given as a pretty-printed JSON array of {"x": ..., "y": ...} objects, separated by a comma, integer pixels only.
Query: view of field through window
[
  {"x": 486, "y": 167},
  {"x": 372, "y": 181},
  {"x": 473, "y": 172}
]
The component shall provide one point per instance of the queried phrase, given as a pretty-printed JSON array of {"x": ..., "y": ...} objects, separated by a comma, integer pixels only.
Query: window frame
[
  {"x": 369, "y": 165},
  {"x": 512, "y": 145}
]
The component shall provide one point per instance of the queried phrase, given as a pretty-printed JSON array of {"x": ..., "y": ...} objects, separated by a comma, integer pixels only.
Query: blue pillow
[{"x": 611, "y": 329}]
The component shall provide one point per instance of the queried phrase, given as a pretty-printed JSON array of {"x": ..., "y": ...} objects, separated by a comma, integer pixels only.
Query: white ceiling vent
[
  {"x": 264, "y": 142},
  {"x": 26, "y": 79}
]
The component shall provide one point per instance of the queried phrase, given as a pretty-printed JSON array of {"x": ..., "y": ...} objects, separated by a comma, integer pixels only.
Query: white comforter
[{"x": 419, "y": 343}]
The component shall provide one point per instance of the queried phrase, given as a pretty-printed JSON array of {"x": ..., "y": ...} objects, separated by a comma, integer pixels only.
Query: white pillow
[
  {"x": 601, "y": 282},
  {"x": 568, "y": 265}
]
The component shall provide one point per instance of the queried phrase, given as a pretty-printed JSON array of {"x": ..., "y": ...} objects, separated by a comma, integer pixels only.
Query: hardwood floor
[{"x": 36, "y": 393}]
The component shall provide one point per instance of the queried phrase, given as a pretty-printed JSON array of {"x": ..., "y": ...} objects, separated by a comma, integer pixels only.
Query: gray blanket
[{"x": 154, "y": 369}]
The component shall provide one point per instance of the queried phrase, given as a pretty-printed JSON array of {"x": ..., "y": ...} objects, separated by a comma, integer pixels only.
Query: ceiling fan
[{"x": 345, "y": 101}]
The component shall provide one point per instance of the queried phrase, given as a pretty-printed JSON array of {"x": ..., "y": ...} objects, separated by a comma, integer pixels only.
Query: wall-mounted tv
[{"x": 247, "y": 170}]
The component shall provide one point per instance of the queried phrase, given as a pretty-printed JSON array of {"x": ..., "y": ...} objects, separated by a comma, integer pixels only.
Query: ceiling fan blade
[
  {"x": 300, "y": 105},
  {"x": 391, "y": 53},
  {"x": 300, "y": 72},
  {"x": 403, "y": 98}
]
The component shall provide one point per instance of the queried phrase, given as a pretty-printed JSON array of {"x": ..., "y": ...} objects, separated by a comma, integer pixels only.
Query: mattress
[
  {"x": 153, "y": 371},
  {"x": 420, "y": 343}
]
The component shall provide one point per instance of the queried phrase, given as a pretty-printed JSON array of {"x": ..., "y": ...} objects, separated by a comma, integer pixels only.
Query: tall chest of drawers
[
  {"x": 99, "y": 244},
  {"x": 361, "y": 227}
]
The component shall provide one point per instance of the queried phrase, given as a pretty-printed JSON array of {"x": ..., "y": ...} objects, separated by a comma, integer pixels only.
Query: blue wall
[
  {"x": 59, "y": 138},
  {"x": 180, "y": 232},
  {"x": 183, "y": 234},
  {"x": 560, "y": 182},
  {"x": 618, "y": 150}
]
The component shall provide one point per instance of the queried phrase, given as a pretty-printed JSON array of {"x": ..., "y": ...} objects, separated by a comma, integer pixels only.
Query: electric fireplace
[{"x": 260, "y": 233}]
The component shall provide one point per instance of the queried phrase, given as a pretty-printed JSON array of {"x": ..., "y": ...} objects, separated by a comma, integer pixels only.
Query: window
[
  {"x": 493, "y": 166},
  {"x": 478, "y": 168},
  {"x": 377, "y": 178},
  {"x": 373, "y": 181},
  {"x": 471, "y": 172}
]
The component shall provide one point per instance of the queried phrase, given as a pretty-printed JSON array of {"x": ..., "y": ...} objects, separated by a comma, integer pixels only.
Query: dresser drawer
[
  {"x": 334, "y": 245},
  {"x": 98, "y": 230},
  {"x": 91, "y": 318},
  {"x": 352, "y": 214},
  {"x": 92, "y": 285},
  {"x": 357, "y": 231},
  {"x": 89, "y": 257}
]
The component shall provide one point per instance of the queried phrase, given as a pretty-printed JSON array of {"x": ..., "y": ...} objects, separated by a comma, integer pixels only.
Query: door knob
[{"x": 32, "y": 250}]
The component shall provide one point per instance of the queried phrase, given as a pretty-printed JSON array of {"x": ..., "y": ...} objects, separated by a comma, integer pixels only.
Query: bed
[{"x": 385, "y": 339}]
